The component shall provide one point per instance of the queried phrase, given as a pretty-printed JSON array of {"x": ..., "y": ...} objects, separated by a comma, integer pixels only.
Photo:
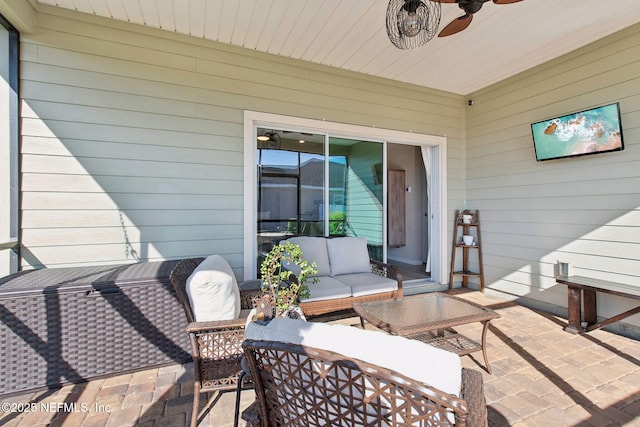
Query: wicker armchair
[
  {"x": 216, "y": 347},
  {"x": 303, "y": 386}
]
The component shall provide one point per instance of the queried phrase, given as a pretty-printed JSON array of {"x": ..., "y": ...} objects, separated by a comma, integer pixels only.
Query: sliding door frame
[{"x": 254, "y": 119}]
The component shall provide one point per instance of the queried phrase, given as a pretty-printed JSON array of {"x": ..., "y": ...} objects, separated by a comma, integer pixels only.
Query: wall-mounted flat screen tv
[{"x": 597, "y": 130}]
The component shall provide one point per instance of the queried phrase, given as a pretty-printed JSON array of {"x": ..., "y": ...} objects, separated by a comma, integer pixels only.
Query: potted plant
[{"x": 284, "y": 275}]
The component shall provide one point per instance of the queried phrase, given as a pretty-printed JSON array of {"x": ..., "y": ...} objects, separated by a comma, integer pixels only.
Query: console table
[{"x": 581, "y": 291}]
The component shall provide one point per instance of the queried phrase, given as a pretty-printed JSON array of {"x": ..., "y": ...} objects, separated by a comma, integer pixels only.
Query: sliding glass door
[
  {"x": 315, "y": 185},
  {"x": 358, "y": 201},
  {"x": 290, "y": 186}
]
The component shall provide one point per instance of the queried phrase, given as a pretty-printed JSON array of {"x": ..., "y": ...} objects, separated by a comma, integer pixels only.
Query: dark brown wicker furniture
[
  {"x": 71, "y": 324},
  {"x": 303, "y": 386},
  {"x": 429, "y": 318},
  {"x": 581, "y": 305},
  {"x": 216, "y": 347},
  {"x": 313, "y": 308}
]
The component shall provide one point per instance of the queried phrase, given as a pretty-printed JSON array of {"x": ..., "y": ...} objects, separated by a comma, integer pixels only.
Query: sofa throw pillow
[
  {"x": 213, "y": 291},
  {"x": 314, "y": 249},
  {"x": 348, "y": 255}
]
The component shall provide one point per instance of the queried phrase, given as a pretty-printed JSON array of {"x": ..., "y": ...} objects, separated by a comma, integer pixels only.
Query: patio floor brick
[
  {"x": 542, "y": 376},
  {"x": 94, "y": 420}
]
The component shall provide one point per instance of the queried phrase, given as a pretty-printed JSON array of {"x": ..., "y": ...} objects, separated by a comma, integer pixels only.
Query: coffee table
[{"x": 429, "y": 318}]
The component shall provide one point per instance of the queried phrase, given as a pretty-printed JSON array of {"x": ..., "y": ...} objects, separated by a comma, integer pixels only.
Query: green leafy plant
[
  {"x": 279, "y": 284},
  {"x": 337, "y": 222}
]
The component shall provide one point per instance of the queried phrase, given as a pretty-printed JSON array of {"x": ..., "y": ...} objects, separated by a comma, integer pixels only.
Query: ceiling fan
[
  {"x": 270, "y": 140},
  {"x": 412, "y": 23},
  {"x": 469, "y": 7}
]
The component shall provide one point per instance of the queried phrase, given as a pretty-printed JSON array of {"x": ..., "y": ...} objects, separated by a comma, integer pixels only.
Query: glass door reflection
[{"x": 296, "y": 197}]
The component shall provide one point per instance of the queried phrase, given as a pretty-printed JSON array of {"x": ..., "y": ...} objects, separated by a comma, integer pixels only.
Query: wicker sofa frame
[
  {"x": 314, "y": 308},
  {"x": 216, "y": 347},
  {"x": 303, "y": 386}
]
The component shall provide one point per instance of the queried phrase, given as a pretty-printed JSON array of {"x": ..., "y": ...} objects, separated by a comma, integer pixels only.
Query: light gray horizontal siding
[
  {"x": 63, "y": 218},
  {"x": 133, "y": 137},
  {"x": 584, "y": 210}
]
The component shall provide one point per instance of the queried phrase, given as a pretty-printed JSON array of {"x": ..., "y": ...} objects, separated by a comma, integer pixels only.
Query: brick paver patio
[{"x": 542, "y": 376}]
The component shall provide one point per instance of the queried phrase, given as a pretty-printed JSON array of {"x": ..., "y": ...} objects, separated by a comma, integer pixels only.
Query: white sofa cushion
[
  {"x": 213, "y": 291},
  {"x": 367, "y": 283},
  {"x": 327, "y": 288},
  {"x": 348, "y": 255},
  {"x": 414, "y": 359},
  {"x": 314, "y": 249}
]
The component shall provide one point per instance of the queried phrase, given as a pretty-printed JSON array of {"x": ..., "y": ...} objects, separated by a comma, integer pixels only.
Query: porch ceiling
[{"x": 502, "y": 41}]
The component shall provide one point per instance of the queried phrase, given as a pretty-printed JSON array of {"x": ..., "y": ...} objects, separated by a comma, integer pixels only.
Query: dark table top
[{"x": 632, "y": 291}]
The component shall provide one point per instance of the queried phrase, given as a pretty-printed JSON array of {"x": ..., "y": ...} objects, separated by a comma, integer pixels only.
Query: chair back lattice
[{"x": 303, "y": 386}]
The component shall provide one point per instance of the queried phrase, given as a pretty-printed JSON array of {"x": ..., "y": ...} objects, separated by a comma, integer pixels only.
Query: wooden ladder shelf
[{"x": 469, "y": 222}]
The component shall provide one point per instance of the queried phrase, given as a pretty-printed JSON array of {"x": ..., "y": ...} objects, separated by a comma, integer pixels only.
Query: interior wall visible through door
[{"x": 414, "y": 252}]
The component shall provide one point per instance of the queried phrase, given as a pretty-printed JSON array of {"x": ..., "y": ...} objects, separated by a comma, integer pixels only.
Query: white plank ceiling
[{"x": 501, "y": 41}]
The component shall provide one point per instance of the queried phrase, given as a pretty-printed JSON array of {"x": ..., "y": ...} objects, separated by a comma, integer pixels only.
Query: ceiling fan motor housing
[{"x": 471, "y": 6}]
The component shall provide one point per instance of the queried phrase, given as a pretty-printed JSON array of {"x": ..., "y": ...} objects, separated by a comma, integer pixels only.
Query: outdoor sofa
[{"x": 345, "y": 274}]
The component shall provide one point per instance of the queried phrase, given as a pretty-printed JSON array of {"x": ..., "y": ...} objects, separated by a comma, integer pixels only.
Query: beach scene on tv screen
[{"x": 576, "y": 134}]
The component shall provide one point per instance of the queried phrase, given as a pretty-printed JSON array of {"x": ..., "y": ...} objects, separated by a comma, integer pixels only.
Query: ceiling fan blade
[
  {"x": 456, "y": 25},
  {"x": 506, "y": 1}
]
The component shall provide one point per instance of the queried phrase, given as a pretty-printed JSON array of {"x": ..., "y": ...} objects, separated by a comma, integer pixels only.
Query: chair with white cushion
[
  {"x": 316, "y": 374},
  {"x": 216, "y": 312}
]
